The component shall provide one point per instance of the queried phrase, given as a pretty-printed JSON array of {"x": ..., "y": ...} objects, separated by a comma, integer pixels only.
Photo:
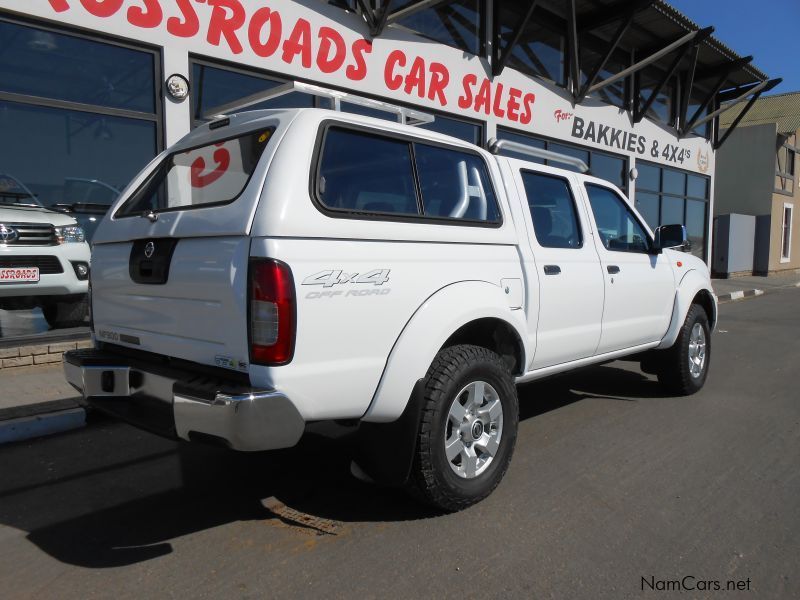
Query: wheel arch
[
  {"x": 694, "y": 288},
  {"x": 495, "y": 334},
  {"x": 444, "y": 319},
  {"x": 706, "y": 299}
]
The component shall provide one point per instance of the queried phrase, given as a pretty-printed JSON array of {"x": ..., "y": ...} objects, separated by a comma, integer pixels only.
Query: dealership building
[{"x": 92, "y": 90}]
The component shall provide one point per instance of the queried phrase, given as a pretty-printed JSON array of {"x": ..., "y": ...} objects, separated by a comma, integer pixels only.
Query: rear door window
[
  {"x": 209, "y": 175},
  {"x": 555, "y": 220}
]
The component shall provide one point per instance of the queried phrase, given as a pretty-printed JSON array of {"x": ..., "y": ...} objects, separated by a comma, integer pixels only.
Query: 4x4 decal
[{"x": 332, "y": 278}]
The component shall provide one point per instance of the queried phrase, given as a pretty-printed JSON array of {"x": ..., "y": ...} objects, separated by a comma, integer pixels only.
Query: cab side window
[
  {"x": 555, "y": 219},
  {"x": 618, "y": 228},
  {"x": 386, "y": 176},
  {"x": 361, "y": 172},
  {"x": 455, "y": 184}
]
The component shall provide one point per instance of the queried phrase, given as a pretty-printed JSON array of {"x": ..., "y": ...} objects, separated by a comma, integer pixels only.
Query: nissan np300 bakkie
[{"x": 276, "y": 268}]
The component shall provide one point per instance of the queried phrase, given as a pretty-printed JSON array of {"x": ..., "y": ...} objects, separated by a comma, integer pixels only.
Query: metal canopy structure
[{"x": 648, "y": 37}]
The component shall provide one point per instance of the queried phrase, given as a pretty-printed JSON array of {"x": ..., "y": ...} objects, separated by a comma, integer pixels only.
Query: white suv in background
[{"x": 44, "y": 258}]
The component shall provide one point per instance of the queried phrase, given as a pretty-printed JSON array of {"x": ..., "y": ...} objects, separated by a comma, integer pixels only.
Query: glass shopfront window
[
  {"x": 79, "y": 117},
  {"x": 601, "y": 164},
  {"x": 540, "y": 50},
  {"x": 615, "y": 93},
  {"x": 456, "y": 24},
  {"x": 82, "y": 113},
  {"x": 667, "y": 196},
  {"x": 44, "y": 63},
  {"x": 463, "y": 130},
  {"x": 695, "y": 101},
  {"x": 660, "y": 110},
  {"x": 215, "y": 86}
]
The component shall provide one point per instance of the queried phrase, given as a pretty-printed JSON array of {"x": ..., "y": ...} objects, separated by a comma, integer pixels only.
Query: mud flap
[{"x": 385, "y": 451}]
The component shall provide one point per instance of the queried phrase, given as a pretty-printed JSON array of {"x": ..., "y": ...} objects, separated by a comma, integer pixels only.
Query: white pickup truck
[
  {"x": 44, "y": 257},
  {"x": 276, "y": 268}
]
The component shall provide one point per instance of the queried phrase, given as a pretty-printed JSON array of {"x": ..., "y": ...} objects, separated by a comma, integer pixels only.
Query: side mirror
[{"x": 672, "y": 236}]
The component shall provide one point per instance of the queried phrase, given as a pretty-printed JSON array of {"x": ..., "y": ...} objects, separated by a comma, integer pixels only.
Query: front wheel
[
  {"x": 684, "y": 367},
  {"x": 468, "y": 428}
]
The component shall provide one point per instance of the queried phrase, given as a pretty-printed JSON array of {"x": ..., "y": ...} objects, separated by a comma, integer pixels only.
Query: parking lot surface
[{"x": 615, "y": 489}]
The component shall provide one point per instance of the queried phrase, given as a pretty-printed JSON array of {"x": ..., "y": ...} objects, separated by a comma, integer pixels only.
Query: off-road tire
[
  {"x": 673, "y": 364},
  {"x": 432, "y": 479},
  {"x": 66, "y": 313}
]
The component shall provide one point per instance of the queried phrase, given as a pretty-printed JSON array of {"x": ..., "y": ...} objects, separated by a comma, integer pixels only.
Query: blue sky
[{"x": 767, "y": 29}]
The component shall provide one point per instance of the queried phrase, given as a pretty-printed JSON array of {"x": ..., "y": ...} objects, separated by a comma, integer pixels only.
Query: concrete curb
[
  {"x": 739, "y": 295},
  {"x": 38, "y": 425}
]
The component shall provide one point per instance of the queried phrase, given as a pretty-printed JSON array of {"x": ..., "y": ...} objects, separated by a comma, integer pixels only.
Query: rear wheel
[
  {"x": 468, "y": 428},
  {"x": 684, "y": 367}
]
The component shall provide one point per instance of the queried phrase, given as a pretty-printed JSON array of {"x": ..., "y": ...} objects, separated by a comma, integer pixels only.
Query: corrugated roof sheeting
[{"x": 783, "y": 109}]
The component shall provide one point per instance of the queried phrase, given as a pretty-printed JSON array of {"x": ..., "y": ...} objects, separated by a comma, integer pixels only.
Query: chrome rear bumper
[{"x": 182, "y": 403}]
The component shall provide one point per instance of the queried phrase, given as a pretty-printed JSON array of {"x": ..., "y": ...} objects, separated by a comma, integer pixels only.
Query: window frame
[
  {"x": 568, "y": 183},
  {"x": 156, "y": 117},
  {"x": 316, "y": 161},
  {"x": 631, "y": 210},
  {"x": 685, "y": 197},
  {"x": 786, "y": 231},
  {"x": 195, "y": 86}
]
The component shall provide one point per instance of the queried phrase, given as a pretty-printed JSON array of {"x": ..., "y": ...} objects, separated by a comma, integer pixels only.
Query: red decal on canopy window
[{"x": 201, "y": 180}]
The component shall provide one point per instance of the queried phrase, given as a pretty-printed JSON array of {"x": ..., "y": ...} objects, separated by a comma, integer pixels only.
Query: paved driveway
[{"x": 614, "y": 487}]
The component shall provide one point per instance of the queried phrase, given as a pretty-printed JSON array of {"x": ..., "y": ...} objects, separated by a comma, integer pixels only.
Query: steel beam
[
  {"x": 623, "y": 27},
  {"x": 367, "y": 13},
  {"x": 692, "y": 123},
  {"x": 603, "y": 17},
  {"x": 412, "y": 8},
  {"x": 501, "y": 55},
  {"x": 732, "y": 93},
  {"x": 380, "y": 21},
  {"x": 639, "y": 113},
  {"x": 764, "y": 86},
  {"x": 689, "y": 37},
  {"x": 723, "y": 68},
  {"x": 688, "y": 84},
  {"x": 573, "y": 56}
]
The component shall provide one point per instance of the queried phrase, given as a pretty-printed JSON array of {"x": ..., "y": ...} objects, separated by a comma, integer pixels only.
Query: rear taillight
[{"x": 272, "y": 312}]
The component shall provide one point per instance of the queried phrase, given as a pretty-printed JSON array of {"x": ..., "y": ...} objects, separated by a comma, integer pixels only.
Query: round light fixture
[
  {"x": 178, "y": 87},
  {"x": 633, "y": 174}
]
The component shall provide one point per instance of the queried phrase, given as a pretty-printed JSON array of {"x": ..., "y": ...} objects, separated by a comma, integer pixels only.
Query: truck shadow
[{"x": 109, "y": 495}]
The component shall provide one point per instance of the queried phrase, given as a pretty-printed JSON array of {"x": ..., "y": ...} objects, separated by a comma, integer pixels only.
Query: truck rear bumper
[{"x": 183, "y": 404}]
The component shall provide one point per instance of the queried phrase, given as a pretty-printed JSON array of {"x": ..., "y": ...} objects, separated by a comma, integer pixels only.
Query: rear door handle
[
  {"x": 612, "y": 269},
  {"x": 552, "y": 270}
]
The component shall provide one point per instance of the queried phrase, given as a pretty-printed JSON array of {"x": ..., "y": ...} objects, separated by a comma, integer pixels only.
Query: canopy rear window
[{"x": 208, "y": 175}]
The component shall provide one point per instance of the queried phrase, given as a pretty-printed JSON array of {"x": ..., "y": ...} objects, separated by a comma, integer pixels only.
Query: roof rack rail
[
  {"x": 407, "y": 116},
  {"x": 496, "y": 146}
]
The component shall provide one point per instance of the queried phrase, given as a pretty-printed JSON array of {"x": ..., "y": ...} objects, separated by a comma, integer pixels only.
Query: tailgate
[{"x": 187, "y": 299}]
